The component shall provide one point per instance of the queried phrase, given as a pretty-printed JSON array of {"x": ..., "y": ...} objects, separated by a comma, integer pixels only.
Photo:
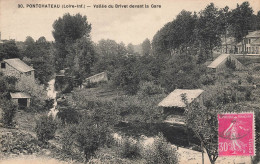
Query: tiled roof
[
  {"x": 218, "y": 60},
  {"x": 19, "y": 95},
  {"x": 18, "y": 64},
  {"x": 174, "y": 99}
]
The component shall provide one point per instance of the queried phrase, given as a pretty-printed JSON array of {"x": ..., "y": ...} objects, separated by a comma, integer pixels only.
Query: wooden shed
[
  {"x": 219, "y": 64},
  {"x": 174, "y": 107}
]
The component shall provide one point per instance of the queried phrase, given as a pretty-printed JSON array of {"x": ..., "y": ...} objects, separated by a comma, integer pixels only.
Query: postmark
[{"x": 236, "y": 134}]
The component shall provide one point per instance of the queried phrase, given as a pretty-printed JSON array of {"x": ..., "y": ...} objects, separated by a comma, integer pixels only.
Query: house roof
[
  {"x": 95, "y": 75},
  {"x": 19, "y": 65},
  {"x": 256, "y": 42},
  {"x": 174, "y": 99},
  {"x": 218, "y": 60},
  {"x": 254, "y": 34},
  {"x": 20, "y": 95}
]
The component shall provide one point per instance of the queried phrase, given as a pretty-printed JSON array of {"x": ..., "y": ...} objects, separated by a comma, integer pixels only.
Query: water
[{"x": 51, "y": 93}]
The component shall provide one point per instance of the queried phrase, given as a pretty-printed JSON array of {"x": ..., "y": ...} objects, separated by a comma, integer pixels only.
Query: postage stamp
[{"x": 236, "y": 134}]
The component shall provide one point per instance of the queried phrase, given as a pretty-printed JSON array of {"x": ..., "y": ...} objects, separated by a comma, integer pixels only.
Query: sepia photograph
[{"x": 130, "y": 81}]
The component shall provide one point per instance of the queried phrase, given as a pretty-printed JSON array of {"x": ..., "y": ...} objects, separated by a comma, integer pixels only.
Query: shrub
[
  {"x": 86, "y": 137},
  {"x": 149, "y": 88},
  {"x": 45, "y": 128},
  {"x": 249, "y": 78},
  {"x": 208, "y": 80},
  {"x": 231, "y": 64},
  {"x": 8, "y": 113},
  {"x": 68, "y": 115},
  {"x": 129, "y": 149},
  {"x": 257, "y": 68},
  {"x": 161, "y": 152}
]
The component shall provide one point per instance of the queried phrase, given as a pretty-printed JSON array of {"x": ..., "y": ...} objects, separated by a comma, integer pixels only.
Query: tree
[
  {"x": 207, "y": 31},
  {"x": 29, "y": 41},
  {"x": 40, "y": 54},
  {"x": 224, "y": 22},
  {"x": 175, "y": 36},
  {"x": 109, "y": 55},
  {"x": 8, "y": 112},
  {"x": 9, "y": 50},
  {"x": 146, "y": 47},
  {"x": 88, "y": 136},
  {"x": 81, "y": 57},
  {"x": 70, "y": 28},
  {"x": 204, "y": 124},
  {"x": 66, "y": 31},
  {"x": 128, "y": 76},
  {"x": 45, "y": 128},
  {"x": 130, "y": 48},
  {"x": 240, "y": 20}
]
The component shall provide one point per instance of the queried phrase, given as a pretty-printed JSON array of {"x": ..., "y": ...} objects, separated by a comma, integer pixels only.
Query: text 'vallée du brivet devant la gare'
[{"x": 118, "y": 6}]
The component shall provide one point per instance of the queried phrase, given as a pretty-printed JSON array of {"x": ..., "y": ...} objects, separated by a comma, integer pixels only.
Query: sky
[{"x": 128, "y": 25}]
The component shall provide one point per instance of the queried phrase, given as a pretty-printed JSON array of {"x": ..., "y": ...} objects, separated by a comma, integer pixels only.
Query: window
[
  {"x": 28, "y": 73},
  {"x": 2, "y": 65}
]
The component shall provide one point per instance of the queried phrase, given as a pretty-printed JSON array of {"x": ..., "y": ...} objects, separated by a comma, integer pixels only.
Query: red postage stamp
[{"x": 236, "y": 134}]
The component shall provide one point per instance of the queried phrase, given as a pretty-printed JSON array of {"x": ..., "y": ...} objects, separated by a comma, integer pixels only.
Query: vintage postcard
[{"x": 129, "y": 81}]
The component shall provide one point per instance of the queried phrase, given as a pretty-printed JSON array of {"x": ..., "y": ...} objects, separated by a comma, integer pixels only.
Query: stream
[{"x": 51, "y": 93}]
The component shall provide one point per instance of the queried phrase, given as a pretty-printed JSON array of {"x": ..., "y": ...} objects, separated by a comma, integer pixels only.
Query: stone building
[{"x": 17, "y": 68}]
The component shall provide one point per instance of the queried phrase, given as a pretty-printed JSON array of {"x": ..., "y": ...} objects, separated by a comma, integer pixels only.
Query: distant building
[
  {"x": 250, "y": 43},
  {"x": 174, "y": 106},
  {"x": 100, "y": 77},
  {"x": 21, "y": 99},
  {"x": 219, "y": 64},
  {"x": 228, "y": 45},
  {"x": 17, "y": 68}
]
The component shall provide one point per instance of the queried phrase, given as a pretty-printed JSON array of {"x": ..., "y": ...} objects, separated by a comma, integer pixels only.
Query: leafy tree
[
  {"x": 8, "y": 112},
  {"x": 81, "y": 57},
  {"x": 128, "y": 76},
  {"x": 45, "y": 128},
  {"x": 110, "y": 55},
  {"x": 130, "y": 48},
  {"x": 161, "y": 152},
  {"x": 40, "y": 55},
  {"x": 29, "y": 41},
  {"x": 88, "y": 135},
  {"x": 207, "y": 31},
  {"x": 224, "y": 18},
  {"x": 146, "y": 47},
  {"x": 205, "y": 127},
  {"x": 66, "y": 31},
  {"x": 9, "y": 50},
  {"x": 175, "y": 36},
  {"x": 240, "y": 20}
]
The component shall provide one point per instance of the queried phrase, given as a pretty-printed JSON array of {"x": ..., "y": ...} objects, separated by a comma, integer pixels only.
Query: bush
[
  {"x": 208, "y": 80},
  {"x": 45, "y": 128},
  {"x": 161, "y": 152},
  {"x": 68, "y": 115},
  {"x": 231, "y": 64},
  {"x": 249, "y": 78},
  {"x": 257, "y": 68},
  {"x": 86, "y": 137},
  {"x": 129, "y": 149},
  {"x": 8, "y": 113},
  {"x": 17, "y": 142},
  {"x": 149, "y": 88}
]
